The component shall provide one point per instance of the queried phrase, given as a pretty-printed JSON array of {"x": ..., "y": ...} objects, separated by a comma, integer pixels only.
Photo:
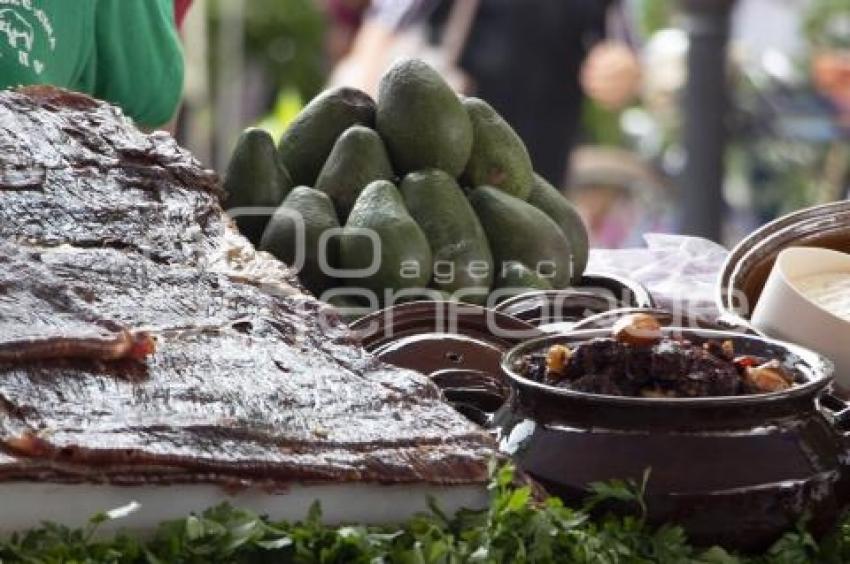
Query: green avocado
[
  {"x": 499, "y": 157},
  {"x": 357, "y": 158},
  {"x": 314, "y": 211},
  {"x": 255, "y": 178},
  {"x": 422, "y": 120},
  {"x": 515, "y": 278},
  {"x": 519, "y": 232},
  {"x": 550, "y": 201},
  {"x": 462, "y": 259},
  {"x": 403, "y": 258},
  {"x": 307, "y": 142}
]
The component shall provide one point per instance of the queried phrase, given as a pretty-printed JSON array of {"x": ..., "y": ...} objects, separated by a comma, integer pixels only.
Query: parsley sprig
[{"x": 516, "y": 527}]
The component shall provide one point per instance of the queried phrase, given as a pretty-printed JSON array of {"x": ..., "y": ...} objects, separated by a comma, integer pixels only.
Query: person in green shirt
[{"x": 124, "y": 51}]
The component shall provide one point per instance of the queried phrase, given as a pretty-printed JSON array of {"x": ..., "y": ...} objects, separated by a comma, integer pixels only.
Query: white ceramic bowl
[{"x": 784, "y": 312}]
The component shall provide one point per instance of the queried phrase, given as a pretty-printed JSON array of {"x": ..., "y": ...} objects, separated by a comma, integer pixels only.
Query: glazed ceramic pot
[
  {"x": 747, "y": 267},
  {"x": 459, "y": 346},
  {"x": 737, "y": 471},
  {"x": 559, "y": 310}
]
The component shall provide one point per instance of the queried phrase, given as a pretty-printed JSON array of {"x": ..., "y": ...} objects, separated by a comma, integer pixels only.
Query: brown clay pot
[
  {"x": 747, "y": 267},
  {"x": 459, "y": 346},
  {"x": 737, "y": 471},
  {"x": 558, "y": 310}
]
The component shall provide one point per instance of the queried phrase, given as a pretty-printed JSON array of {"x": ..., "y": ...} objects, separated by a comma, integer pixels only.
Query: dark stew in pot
[{"x": 637, "y": 360}]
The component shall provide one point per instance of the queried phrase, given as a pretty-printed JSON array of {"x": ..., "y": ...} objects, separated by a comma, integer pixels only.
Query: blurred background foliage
[
  {"x": 249, "y": 62},
  {"x": 828, "y": 24},
  {"x": 257, "y": 62},
  {"x": 283, "y": 37}
]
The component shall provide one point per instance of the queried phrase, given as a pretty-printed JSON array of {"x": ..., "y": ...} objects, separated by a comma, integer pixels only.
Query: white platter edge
[{"x": 25, "y": 505}]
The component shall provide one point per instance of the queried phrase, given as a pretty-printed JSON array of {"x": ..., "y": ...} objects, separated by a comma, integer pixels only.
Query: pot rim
[
  {"x": 641, "y": 296},
  {"x": 822, "y": 367}
]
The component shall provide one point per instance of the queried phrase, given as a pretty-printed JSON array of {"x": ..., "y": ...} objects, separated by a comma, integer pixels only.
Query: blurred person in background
[
  {"x": 831, "y": 75},
  {"x": 829, "y": 29},
  {"x": 345, "y": 18},
  {"x": 125, "y": 52},
  {"x": 181, "y": 9},
  {"x": 533, "y": 61}
]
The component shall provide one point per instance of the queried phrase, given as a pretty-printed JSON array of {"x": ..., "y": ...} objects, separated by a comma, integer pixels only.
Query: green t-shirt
[{"x": 123, "y": 51}]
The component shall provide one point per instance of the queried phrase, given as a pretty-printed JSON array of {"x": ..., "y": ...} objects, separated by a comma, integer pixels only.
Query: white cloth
[{"x": 680, "y": 272}]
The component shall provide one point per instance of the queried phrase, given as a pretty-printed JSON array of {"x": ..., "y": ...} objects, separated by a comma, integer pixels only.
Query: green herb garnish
[{"x": 515, "y": 528}]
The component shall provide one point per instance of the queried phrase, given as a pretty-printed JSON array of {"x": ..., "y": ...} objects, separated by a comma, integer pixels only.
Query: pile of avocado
[{"x": 424, "y": 193}]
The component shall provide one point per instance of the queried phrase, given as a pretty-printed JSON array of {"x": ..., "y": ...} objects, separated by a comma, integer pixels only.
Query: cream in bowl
[
  {"x": 829, "y": 290},
  {"x": 806, "y": 300}
]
